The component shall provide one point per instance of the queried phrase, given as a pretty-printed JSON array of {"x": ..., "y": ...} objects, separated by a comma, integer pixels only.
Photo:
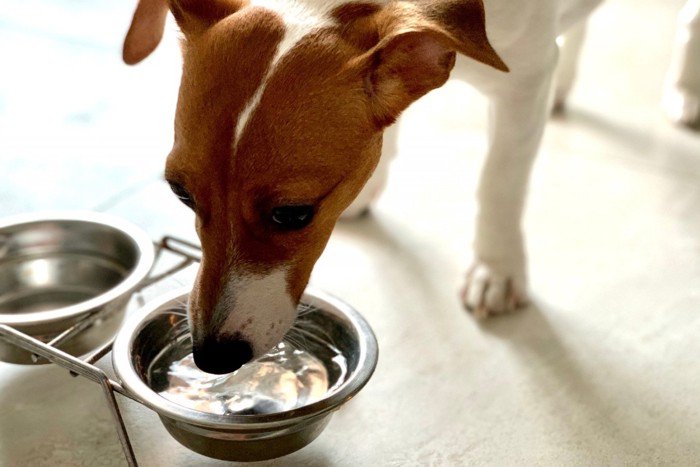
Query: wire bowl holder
[{"x": 188, "y": 254}]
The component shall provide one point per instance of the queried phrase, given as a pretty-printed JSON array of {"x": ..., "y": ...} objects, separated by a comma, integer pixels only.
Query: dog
[{"x": 280, "y": 124}]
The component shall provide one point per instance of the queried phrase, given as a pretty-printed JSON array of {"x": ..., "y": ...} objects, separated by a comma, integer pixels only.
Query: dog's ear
[
  {"x": 196, "y": 16},
  {"x": 464, "y": 21},
  {"x": 416, "y": 49},
  {"x": 406, "y": 67},
  {"x": 192, "y": 16},
  {"x": 146, "y": 30}
]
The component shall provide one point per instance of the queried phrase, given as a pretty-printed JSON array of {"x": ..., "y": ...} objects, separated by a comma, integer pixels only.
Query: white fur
[
  {"x": 300, "y": 19},
  {"x": 682, "y": 97},
  {"x": 524, "y": 35},
  {"x": 258, "y": 307},
  {"x": 525, "y": 38}
]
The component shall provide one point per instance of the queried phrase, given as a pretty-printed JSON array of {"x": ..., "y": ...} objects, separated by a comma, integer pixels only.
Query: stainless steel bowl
[
  {"x": 56, "y": 269},
  {"x": 150, "y": 334}
]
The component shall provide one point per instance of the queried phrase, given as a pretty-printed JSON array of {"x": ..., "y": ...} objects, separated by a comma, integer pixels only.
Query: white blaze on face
[
  {"x": 257, "y": 308},
  {"x": 300, "y": 19}
]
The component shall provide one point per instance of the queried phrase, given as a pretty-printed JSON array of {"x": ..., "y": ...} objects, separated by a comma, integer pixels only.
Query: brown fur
[{"x": 315, "y": 136}]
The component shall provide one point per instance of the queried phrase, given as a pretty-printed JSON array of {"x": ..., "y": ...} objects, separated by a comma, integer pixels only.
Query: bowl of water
[
  {"x": 58, "y": 268},
  {"x": 268, "y": 408}
]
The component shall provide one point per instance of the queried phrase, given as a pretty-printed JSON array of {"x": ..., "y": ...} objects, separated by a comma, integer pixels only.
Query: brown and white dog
[{"x": 280, "y": 123}]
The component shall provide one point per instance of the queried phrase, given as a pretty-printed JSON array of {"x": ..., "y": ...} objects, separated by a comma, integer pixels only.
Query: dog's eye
[
  {"x": 293, "y": 217},
  {"x": 182, "y": 194}
]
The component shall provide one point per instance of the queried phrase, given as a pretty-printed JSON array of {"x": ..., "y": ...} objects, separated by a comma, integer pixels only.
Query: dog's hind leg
[
  {"x": 375, "y": 185},
  {"x": 519, "y": 106},
  {"x": 570, "y": 45},
  {"x": 682, "y": 96}
]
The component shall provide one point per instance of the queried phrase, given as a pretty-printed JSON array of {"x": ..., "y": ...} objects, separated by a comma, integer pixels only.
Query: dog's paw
[{"x": 487, "y": 292}]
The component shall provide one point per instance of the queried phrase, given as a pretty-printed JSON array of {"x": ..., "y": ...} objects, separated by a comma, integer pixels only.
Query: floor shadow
[
  {"x": 380, "y": 238},
  {"x": 667, "y": 147},
  {"x": 45, "y": 411},
  {"x": 559, "y": 367},
  {"x": 371, "y": 229}
]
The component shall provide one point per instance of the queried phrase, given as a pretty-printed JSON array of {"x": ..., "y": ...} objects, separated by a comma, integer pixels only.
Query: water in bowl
[{"x": 286, "y": 378}]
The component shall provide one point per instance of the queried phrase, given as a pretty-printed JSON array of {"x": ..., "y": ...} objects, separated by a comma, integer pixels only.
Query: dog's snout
[{"x": 220, "y": 356}]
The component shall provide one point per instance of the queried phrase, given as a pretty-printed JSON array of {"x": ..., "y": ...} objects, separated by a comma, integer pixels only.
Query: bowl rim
[
  {"x": 357, "y": 379},
  {"x": 143, "y": 242}
]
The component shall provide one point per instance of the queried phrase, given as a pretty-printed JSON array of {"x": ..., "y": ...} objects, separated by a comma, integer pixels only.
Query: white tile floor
[{"x": 602, "y": 369}]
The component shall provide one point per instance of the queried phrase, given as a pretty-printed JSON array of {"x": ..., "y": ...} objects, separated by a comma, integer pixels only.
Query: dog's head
[{"x": 278, "y": 127}]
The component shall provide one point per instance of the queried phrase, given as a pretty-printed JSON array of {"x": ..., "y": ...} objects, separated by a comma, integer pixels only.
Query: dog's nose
[{"x": 221, "y": 356}]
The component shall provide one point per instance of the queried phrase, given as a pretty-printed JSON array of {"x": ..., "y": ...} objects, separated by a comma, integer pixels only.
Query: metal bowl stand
[{"x": 189, "y": 254}]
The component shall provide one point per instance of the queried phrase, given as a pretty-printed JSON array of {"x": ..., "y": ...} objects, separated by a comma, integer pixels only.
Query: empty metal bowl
[
  {"x": 56, "y": 269},
  {"x": 270, "y": 407}
]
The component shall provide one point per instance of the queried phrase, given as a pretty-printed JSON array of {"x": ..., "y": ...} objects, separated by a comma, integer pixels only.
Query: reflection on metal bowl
[
  {"x": 270, "y": 407},
  {"x": 56, "y": 269}
]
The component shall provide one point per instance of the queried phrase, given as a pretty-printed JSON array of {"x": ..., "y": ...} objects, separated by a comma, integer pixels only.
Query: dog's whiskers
[
  {"x": 304, "y": 309},
  {"x": 295, "y": 341},
  {"x": 304, "y": 331},
  {"x": 180, "y": 309}
]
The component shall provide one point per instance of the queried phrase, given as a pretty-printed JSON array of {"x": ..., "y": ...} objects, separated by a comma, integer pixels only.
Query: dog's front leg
[
  {"x": 519, "y": 106},
  {"x": 570, "y": 45}
]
